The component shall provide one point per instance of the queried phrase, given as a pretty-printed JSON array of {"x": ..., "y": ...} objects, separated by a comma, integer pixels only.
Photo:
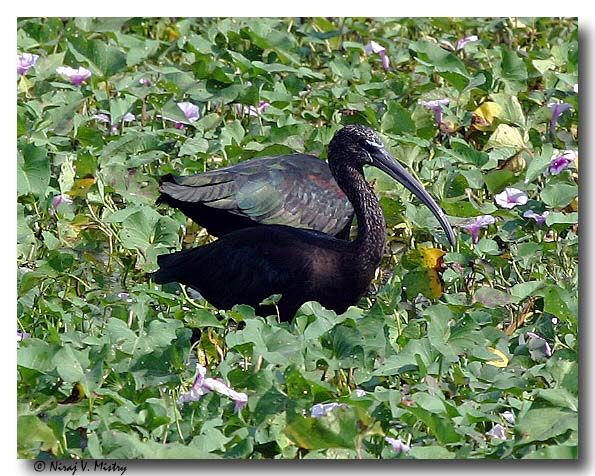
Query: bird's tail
[{"x": 173, "y": 267}]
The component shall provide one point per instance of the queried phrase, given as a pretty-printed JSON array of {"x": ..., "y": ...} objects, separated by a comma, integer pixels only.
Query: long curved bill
[{"x": 383, "y": 160}]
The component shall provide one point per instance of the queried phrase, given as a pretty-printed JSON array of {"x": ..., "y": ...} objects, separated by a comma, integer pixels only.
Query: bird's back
[{"x": 296, "y": 190}]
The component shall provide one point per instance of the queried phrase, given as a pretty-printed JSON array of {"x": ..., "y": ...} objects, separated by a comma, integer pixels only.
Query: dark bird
[
  {"x": 296, "y": 190},
  {"x": 251, "y": 264}
]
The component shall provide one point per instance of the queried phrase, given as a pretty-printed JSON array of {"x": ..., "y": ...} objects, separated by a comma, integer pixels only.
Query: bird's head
[{"x": 356, "y": 145}]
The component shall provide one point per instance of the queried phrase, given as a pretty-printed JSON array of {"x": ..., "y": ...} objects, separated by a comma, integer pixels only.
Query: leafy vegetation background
[{"x": 437, "y": 356}]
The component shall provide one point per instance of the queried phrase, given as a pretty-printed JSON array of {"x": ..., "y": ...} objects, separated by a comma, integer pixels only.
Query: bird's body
[
  {"x": 258, "y": 262},
  {"x": 297, "y": 190},
  {"x": 251, "y": 264}
]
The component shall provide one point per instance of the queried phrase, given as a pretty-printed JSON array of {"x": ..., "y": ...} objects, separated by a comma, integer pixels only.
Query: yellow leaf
[
  {"x": 501, "y": 362},
  {"x": 80, "y": 187},
  {"x": 432, "y": 258},
  {"x": 436, "y": 286},
  {"x": 484, "y": 115}
]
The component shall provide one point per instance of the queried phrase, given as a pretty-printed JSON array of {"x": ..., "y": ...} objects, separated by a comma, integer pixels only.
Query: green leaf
[
  {"x": 432, "y": 55},
  {"x": 539, "y": 164},
  {"x": 493, "y": 298},
  {"x": 541, "y": 424},
  {"x": 563, "y": 218},
  {"x": 132, "y": 142},
  {"x": 430, "y": 452},
  {"x": 68, "y": 366},
  {"x": 37, "y": 355},
  {"x": 103, "y": 60},
  {"x": 397, "y": 120},
  {"x": 512, "y": 70},
  {"x": 340, "y": 428},
  {"x": 34, "y": 435},
  {"x": 559, "y": 195},
  {"x": 118, "y": 107},
  {"x": 498, "y": 180},
  {"x": 33, "y": 171}
]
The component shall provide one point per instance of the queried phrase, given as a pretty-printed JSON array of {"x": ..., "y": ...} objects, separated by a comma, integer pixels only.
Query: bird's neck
[{"x": 371, "y": 229}]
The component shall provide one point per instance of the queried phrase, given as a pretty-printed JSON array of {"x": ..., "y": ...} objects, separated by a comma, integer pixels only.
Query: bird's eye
[{"x": 373, "y": 143}]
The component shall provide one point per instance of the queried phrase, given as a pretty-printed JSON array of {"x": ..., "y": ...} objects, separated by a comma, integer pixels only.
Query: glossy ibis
[
  {"x": 296, "y": 190},
  {"x": 249, "y": 265}
]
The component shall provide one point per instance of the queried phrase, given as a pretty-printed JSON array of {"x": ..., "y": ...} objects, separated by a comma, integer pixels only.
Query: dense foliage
[{"x": 471, "y": 353}]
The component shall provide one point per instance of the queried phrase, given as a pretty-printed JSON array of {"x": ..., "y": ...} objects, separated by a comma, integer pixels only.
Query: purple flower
[
  {"x": 25, "y": 62},
  {"x": 145, "y": 81},
  {"x": 22, "y": 335},
  {"x": 497, "y": 431},
  {"x": 511, "y": 197},
  {"x": 191, "y": 111},
  {"x": 475, "y": 224},
  {"x": 557, "y": 109},
  {"x": 129, "y": 117},
  {"x": 202, "y": 386},
  {"x": 124, "y": 296},
  {"x": 76, "y": 76},
  {"x": 359, "y": 392},
  {"x": 436, "y": 107},
  {"x": 539, "y": 218},
  {"x": 537, "y": 343},
  {"x": 465, "y": 41},
  {"x": 252, "y": 110},
  {"x": 561, "y": 161},
  {"x": 508, "y": 416},
  {"x": 61, "y": 200},
  {"x": 375, "y": 48},
  {"x": 397, "y": 445},
  {"x": 101, "y": 117},
  {"x": 323, "y": 409}
]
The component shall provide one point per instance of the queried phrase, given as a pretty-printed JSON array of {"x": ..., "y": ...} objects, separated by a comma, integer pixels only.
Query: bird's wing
[{"x": 296, "y": 190}]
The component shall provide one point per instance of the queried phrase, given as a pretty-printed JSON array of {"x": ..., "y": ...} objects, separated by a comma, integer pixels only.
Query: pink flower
[
  {"x": 76, "y": 76},
  {"x": 465, "y": 41},
  {"x": 101, "y": 117},
  {"x": 474, "y": 225},
  {"x": 397, "y": 445},
  {"x": 202, "y": 386},
  {"x": 25, "y": 62},
  {"x": 375, "y": 48},
  {"x": 145, "y": 81},
  {"x": 323, "y": 409},
  {"x": 557, "y": 110},
  {"x": 190, "y": 110},
  {"x": 61, "y": 200},
  {"x": 561, "y": 161},
  {"x": 497, "y": 431},
  {"x": 436, "y": 107},
  {"x": 539, "y": 218},
  {"x": 511, "y": 197},
  {"x": 508, "y": 416}
]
